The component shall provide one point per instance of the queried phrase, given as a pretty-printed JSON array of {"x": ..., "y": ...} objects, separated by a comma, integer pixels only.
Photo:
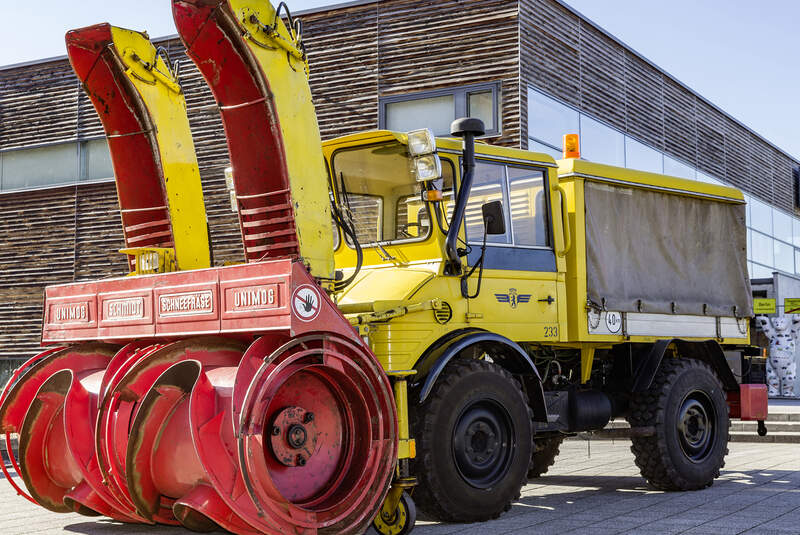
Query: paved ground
[{"x": 594, "y": 488}]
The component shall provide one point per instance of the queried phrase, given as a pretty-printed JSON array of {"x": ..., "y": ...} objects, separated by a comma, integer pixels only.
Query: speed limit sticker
[{"x": 613, "y": 321}]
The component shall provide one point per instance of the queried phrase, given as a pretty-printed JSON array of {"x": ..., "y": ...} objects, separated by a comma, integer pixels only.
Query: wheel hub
[
  {"x": 482, "y": 443},
  {"x": 294, "y": 436},
  {"x": 695, "y": 426}
]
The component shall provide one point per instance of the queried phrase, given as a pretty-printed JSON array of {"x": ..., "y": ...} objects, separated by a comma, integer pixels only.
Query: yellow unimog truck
[{"x": 523, "y": 300}]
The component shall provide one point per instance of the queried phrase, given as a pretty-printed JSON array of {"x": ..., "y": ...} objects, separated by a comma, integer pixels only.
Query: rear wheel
[
  {"x": 544, "y": 455},
  {"x": 686, "y": 410},
  {"x": 473, "y": 443}
]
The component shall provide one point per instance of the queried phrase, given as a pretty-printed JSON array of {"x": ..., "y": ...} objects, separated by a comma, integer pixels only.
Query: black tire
[
  {"x": 472, "y": 479},
  {"x": 686, "y": 409},
  {"x": 544, "y": 455}
]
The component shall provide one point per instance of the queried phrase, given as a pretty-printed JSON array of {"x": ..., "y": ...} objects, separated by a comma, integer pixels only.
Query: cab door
[{"x": 519, "y": 293}]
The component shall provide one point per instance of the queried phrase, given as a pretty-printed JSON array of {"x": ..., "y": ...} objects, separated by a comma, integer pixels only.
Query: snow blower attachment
[{"x": 233, "y": 397}]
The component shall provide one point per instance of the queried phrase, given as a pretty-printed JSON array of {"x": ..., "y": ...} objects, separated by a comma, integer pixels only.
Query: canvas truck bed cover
[{"x": 663, "y": 245}]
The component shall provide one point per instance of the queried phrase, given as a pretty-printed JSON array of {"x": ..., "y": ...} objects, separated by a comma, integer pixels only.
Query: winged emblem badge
[{"x": 512, "y": 297}]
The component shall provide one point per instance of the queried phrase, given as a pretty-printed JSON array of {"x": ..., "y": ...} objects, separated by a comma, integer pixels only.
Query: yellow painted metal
[
  {"x": 150, "y": 260},
  {"x": 406, "y": 447},
  {"x": 640, "y": 179},
  {"x": 163, "y": 98},
  {"x": 279, "y": 54},
  {"x": 587, "y": 360}
]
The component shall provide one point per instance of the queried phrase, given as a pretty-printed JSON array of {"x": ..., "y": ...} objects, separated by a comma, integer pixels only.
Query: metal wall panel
[{"x": 575, "y": 61}]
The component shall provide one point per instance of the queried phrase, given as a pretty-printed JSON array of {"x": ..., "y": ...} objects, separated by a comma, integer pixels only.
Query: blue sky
[{"x": 739, "y": 54}]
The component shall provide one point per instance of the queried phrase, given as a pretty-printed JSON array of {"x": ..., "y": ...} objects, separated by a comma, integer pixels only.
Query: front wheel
[
  {"x": 687, "y": 416},
  {"x": 401, "y": 522},
  {"x": 474, "y": 441}
]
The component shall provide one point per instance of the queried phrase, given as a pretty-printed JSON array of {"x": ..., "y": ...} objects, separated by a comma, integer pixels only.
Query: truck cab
[{"x": 520, "y": 291}]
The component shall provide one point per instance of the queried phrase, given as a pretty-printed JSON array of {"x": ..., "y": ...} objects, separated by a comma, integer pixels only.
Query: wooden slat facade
[{"x": 358, "y": 53}]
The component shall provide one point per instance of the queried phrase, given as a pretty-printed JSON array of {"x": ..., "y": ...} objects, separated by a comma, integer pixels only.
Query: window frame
[{"x": 460, "y": 96}]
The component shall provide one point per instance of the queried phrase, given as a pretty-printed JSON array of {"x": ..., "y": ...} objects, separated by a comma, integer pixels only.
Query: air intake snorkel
[{"x": 467, "y": 128}]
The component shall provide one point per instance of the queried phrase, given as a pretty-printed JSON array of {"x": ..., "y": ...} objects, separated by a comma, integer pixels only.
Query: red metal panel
[
  {"x": 255, "y": 294},
  {"x": 249, "y": 298}
]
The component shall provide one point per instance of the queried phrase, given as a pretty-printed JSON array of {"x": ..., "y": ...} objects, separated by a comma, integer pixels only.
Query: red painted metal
[
  {"x": 183, "y": 424},
  {"x": 249, "y": 299},
  {"x": 9, "y": 443},
  {"x": 131, "y": 139},
  {"x": 210, "y": 33},
  {"x": 749, "y": 403}
]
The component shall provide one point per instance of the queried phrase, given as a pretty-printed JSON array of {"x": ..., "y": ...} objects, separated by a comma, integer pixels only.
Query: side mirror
[{"x": 493, "y": 220}]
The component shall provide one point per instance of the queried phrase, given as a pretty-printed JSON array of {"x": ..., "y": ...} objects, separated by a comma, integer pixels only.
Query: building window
[
  {"x": 55, "y": 165},
  {"x": 437, "y": 109},
  {"x": 773, "y": 236}
]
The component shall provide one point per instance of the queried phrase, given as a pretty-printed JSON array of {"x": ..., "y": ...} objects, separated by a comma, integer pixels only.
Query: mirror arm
[{"x": 465, "y": 277}]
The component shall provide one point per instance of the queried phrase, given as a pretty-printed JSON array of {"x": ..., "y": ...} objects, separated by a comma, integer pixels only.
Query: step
[
  {"x": 779, "y": 437},
  {"x": 780, "y": 431}
]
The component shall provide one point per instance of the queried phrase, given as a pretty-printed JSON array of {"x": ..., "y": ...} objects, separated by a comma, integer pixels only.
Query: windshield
[{"x": 379, "y": 194}]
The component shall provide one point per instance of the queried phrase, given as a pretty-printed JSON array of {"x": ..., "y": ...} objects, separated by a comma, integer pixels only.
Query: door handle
[{"x": 549, "y": 300}]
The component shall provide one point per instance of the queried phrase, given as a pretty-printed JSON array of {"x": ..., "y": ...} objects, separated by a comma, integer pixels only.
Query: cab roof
[{"x": 444, "y": 144}]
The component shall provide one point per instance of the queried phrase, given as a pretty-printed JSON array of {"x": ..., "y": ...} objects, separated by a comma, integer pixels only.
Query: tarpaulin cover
[{"x": 648, "y": 251}]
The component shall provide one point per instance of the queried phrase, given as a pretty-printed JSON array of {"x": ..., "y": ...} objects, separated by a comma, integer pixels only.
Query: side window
[
  {"x": 528, "y": 201},
  {"x": 523, "y": 194},
  {"x": 488, "y": 185}
]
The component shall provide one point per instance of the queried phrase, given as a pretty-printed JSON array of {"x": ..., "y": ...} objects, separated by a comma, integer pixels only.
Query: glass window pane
[
  {"x": 640, "y": 156},
  {"x": 702, "y": 177},
  {"x": 749, "y": 244},
  {"x": 797, "y": 261},
  {"x": 98, "y": 160},
  {"x": 762, "y": 249},
  {"x": 528, "y": 206},
  {"x": 761, "y": 272},
  {"x": 796, "y": 231},
  {"x": 535, "y": 146},
  {"x": 747, "y": 210},
  {"x": 782, "y": 225},
  {"x": 784, "y": 257},
  {"x": 46, "y": 166},
  {"x": 481, "y": 106},
  {"x": 760, "y": 216},
  {"x": 549, "y": 120},
  {"x": 435, "y": 113},
  {"x": 488, "y": 185},
  {"x": 677, "y": 168},
  {"x": 750, "y": 269},
  {"x": 600, "y": 143}
]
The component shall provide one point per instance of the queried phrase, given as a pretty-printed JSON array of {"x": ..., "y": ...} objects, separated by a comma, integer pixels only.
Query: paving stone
[{"x": 602, "y": 493}]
